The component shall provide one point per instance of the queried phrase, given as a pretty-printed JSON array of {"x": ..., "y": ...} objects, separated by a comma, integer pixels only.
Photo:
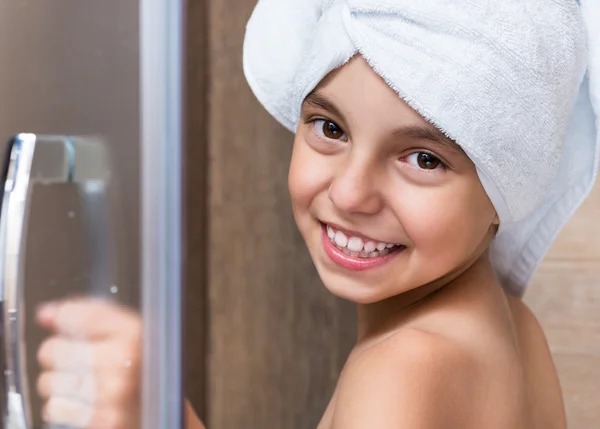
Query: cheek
[
  {"x": 308, "y": 176},
  {"x": 447, "y": 225}
]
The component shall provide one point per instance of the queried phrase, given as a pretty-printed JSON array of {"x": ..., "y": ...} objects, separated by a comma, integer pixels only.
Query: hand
[{"x": 91, "y": 365}]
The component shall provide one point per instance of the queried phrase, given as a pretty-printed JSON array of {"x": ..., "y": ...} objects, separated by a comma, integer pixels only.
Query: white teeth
[
  {"x": 355, "y": 244},
  {"x": 330, "y": 232},
  {"x": 370, "y": 247},
  {"x": 341, "y": 239}
]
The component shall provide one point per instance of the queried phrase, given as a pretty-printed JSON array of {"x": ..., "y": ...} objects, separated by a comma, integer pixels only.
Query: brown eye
[
  {"x": 428, "y": 162},
  {"x": 424, "y": 161},
  {"x": 329, "y": 129}
]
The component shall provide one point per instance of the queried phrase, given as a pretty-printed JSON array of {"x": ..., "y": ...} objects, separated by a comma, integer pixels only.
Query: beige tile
[
  {"x": 580, "y": 380},
  {"x": 580, "y": 238},
  {"x": 565, "y": 296}
]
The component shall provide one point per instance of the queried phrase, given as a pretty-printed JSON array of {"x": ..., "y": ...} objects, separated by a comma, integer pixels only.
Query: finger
[
  {"x": 46, "y": 313},
  {"x": 79, "y": 387},
  {"x": 64, "y": 411},
  {"x": 102, "y": 390},
  {"x": 63, "y": 354},
  {"x": 89, "y": 318}
]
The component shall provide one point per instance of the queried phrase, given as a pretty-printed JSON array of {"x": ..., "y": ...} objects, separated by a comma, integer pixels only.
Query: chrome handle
[
  {"x": 43, "y": 160},
  {"x": 28, "y": 160}
]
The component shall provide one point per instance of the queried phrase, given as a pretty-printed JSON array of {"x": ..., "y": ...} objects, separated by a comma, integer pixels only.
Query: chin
[{"x": 353, "y": 290}]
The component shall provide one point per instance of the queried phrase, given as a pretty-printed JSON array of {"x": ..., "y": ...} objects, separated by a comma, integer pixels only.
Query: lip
[{"x": 351, "y": 263}]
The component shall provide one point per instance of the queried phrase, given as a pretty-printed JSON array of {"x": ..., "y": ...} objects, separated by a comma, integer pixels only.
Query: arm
[
  {"x": 191, "y": 419},
  {"x": 410, "y": 381}
]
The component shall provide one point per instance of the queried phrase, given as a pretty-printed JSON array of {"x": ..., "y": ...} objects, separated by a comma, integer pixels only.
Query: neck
[{"x": 379, "y": 318}]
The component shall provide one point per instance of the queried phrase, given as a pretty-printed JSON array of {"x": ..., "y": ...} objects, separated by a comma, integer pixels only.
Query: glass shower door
[{"x": 90, "y": 212}]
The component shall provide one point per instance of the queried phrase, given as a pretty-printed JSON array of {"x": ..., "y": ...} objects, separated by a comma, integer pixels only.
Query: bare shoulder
[{"x": 415, "y": 379}]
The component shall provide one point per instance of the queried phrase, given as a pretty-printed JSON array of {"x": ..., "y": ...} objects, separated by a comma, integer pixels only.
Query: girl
[{"x": 439, "y": 148}]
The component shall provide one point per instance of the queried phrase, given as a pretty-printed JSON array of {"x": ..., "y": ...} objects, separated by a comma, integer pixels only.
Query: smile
[
  {"x": 359, "y": 247},
  {"x": 357, "y": 253}
]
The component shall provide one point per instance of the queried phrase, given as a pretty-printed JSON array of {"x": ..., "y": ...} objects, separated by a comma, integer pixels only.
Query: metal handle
[{"x": 42, "y": 160}]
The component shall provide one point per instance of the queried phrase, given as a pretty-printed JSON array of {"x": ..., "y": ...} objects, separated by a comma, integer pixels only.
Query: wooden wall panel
[
  {"x": 195, "y": 201},
  {"x": 278, "y": 339},
  {"x": 565, "y": 295}
]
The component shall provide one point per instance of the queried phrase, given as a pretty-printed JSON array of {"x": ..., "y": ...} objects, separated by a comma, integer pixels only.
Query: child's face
[{"x": 370, "y": 167}]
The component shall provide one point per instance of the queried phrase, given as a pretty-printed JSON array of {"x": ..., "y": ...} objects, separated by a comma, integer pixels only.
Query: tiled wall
[{"x": 565, "y": 295}]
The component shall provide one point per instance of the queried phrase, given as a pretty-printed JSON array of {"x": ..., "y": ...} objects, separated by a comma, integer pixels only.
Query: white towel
[{"x": 504, "y": 79}]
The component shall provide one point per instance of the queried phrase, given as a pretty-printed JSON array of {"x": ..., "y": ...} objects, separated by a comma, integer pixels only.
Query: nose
[{"x": 353, "y": 189}]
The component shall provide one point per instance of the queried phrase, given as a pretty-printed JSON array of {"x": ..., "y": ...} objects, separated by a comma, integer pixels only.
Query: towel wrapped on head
[{"x": 515, "y": 83}]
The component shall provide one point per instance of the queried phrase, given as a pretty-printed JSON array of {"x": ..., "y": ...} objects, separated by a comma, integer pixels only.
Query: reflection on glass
[{"x": 70, "y": 350}]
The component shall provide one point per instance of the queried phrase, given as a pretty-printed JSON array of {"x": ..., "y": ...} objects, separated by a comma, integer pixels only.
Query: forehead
[{"x": 355, "y": 94}]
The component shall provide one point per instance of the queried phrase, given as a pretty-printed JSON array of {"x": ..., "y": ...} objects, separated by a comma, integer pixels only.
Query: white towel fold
[{"x": 504, "y": 79}]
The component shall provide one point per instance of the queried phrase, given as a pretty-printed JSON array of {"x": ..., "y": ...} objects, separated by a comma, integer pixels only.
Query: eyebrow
[
  {"x": 415, "y": 132},
  {"x": 428, "y": 132},
  {"x": 316, "y": 99}
]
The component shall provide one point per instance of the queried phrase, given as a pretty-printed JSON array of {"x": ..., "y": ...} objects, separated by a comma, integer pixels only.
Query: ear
[
  {"x": 496, "y": 220},
  {"x": 495, "y": 225}
]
